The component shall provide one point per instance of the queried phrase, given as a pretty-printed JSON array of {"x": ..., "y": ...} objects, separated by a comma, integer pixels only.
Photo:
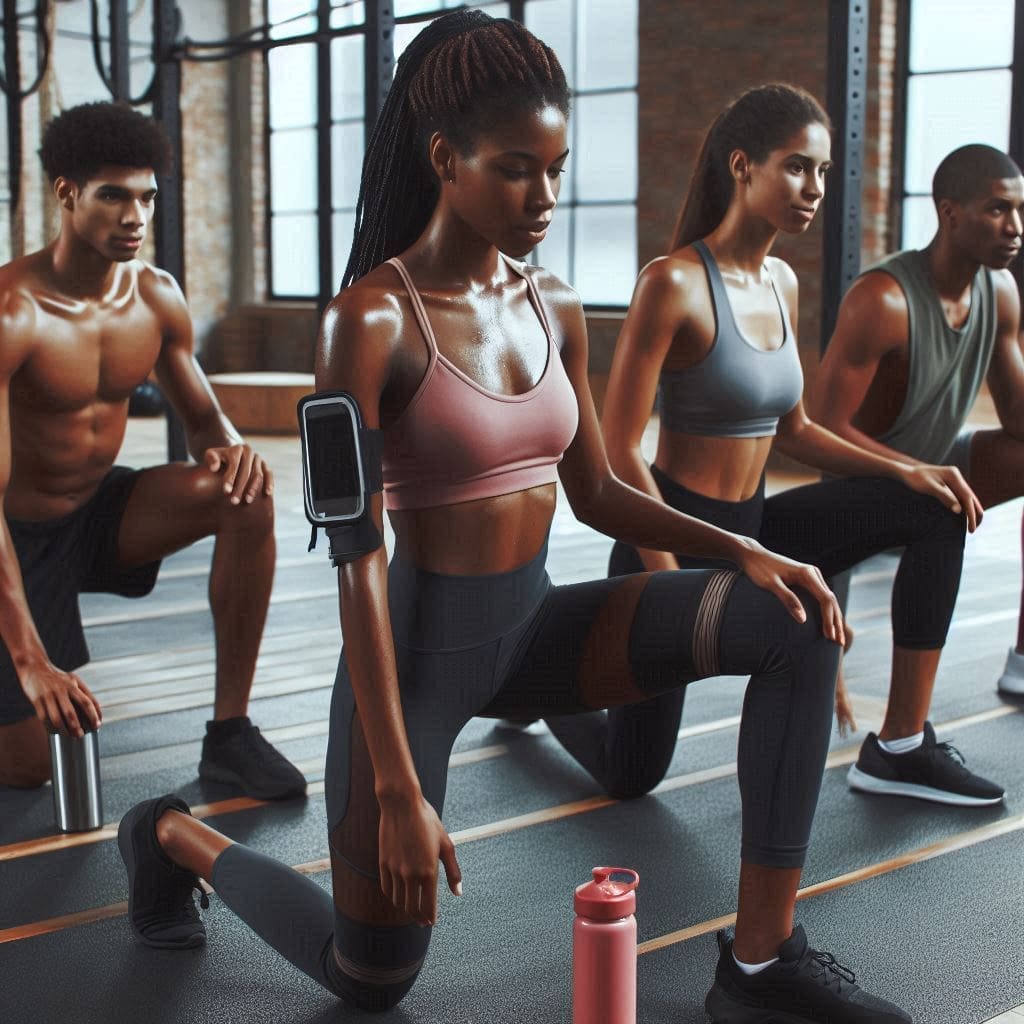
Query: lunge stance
[
  {"x": 475, "y": 368},
  {"x": 83, "y": 322},
  {"x": 918, "y": 333},
  {"x": 712, "y": 331}
]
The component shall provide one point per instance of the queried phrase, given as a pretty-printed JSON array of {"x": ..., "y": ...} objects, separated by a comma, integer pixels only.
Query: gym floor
[{"x": 926, "y": 903}]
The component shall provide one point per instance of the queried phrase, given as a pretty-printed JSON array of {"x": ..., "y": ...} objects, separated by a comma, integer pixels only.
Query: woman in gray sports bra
[{"x": 711, "y": 333}]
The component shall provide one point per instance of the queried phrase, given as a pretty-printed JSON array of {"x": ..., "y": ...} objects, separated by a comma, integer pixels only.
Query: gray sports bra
[{"x": 736, "y": 390}]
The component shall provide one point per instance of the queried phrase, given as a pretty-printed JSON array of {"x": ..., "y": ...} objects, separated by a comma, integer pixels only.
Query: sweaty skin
[
  {"x": 82, "y": 323},
  {"x": 862, "y": 382},
  {"x": 497, "y": 198},
  {"x": 671, "y": 325}
]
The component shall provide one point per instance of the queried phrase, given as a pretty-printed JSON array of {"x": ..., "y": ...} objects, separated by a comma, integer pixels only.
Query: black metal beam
[
  {"x": 325, "y": 168},
  {"x": 380, "y": 57},
  {"x": 898, "y": 158},
  {"x": 12, "y": 89},
  {"x": 1017, "y": 110},
  {"x": 846, "y": 98},
  {"x": 120, "y": 79},
  {"x": 168, "y": 220}
]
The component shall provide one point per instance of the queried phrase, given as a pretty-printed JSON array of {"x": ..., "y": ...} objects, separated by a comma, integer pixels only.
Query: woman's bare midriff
[
  {"x": 475, "y": 538},
  {"x": 726, "y": 468}
]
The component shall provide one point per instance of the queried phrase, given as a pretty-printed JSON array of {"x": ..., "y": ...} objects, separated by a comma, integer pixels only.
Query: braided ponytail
[{"x": 463, "y": 73}]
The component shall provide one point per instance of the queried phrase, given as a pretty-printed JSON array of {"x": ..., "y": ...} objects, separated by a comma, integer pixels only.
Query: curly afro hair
[{"x": 81, "y": 140}]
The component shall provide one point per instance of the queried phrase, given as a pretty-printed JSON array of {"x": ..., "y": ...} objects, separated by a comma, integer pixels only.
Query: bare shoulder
[
  {"x": 561, "y": 302},
  {"x": 560, "y": 299},
  {"x": 878, "y": 289},
  {"x": 362, "y": 331},
  {"x": 784, "y": 277},
  {"x": 18, "y": 315},
  {"x": 782, "y": 273},
  {"x": 874, "y": 312},
  {"x": 161, "y": 292},
  {"x": 1007, "y": 295}
]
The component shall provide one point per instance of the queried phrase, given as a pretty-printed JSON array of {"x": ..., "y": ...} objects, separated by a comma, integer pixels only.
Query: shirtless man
[
  {"x": 82, "y": 322},
  {"x": 915, "y": 338}
]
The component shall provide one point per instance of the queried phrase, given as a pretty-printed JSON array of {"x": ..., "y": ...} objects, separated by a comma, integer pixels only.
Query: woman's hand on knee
[
  {"x": 780, "y": 575},
  {"x": 412, "y": 842}
]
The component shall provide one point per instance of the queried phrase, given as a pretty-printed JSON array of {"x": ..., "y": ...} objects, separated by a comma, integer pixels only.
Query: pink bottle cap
[{"x": 605, "y": 899}]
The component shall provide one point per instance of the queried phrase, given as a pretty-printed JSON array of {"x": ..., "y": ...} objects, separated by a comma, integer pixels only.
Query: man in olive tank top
[{"x": 916, "y": 337}]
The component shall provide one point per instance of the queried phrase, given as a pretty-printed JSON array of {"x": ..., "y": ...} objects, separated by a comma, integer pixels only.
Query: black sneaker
[
  {"x": 802, "y": 987},
  {"x": 934, "y": 771},
  {"x": 161, "y": 910},
  {"x": 240, "y": 756}
]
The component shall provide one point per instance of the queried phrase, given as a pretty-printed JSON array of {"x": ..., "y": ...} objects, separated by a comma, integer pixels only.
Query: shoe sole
[
  {"x": 724, "y": 1010},
  {"x": 213, "y": 773},
  {"x": 1010, "y": 686},
  {"x": 126, "y": 846},
  {"x": 856, "y": 779}
]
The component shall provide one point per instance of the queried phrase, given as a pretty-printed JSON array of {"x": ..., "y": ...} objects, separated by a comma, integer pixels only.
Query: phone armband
[{"x": 341, "y": 468}]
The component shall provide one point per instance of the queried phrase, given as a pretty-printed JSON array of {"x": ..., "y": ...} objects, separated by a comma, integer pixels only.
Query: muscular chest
[{"x": 94, "y": 356}]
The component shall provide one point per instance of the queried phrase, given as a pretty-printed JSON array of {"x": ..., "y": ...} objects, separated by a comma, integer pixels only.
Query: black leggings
[
  {"x": 834, "y": 525},
  {"x": 513, "y": 643}
]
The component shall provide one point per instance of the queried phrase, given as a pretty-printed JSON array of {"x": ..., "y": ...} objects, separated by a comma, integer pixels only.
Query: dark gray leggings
[
  {"x": 513, "y": 643},
  {"x": 834, "y": 525}
]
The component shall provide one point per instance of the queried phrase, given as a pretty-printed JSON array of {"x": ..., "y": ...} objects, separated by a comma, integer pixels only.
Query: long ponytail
[{"x": 758, "y": 121}]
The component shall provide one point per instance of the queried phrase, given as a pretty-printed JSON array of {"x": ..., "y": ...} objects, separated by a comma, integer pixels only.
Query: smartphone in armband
[{"x": 333, "y": 476}]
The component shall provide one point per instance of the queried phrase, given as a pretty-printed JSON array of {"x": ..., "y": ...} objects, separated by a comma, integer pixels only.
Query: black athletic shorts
[{"x": 60, "y": 559}]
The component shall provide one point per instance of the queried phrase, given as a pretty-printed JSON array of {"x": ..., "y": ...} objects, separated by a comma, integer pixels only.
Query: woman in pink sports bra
[{"x": 475, "y": 368}]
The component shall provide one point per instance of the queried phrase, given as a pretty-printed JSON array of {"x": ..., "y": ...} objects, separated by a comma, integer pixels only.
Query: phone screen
[{"x": 334, "y": 480}]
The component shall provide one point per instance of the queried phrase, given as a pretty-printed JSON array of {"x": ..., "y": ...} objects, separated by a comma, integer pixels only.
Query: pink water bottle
[{"x": 604, "y": 949}]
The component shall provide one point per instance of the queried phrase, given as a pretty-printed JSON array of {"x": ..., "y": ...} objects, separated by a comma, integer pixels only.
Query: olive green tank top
[{"x": 947, "y": 364}]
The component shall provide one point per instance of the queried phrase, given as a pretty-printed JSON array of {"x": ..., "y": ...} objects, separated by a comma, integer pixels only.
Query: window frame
[
  {"x": 324, "y": 74},
  {"x": 904, "y": 30}
]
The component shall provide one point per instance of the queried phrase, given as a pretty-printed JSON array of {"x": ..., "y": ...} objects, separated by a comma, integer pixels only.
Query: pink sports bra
[{"x": 456, "y": 441}]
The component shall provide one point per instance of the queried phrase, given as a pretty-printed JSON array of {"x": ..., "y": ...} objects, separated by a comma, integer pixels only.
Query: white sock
[
  {"x": 903, "y": 746},
  {"x": 754, "y": 968}
]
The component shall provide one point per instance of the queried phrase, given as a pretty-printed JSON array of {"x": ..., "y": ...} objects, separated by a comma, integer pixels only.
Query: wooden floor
[{"x": 926, "y": 903}]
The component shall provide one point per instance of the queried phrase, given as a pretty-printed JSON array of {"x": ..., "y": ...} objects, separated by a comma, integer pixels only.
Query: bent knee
[
  {"x": 370, "y": 996},
  {"x": 206, "y": 488},
  {"x": 24, "y": 754},
  {"x": 25, "y": 773}
]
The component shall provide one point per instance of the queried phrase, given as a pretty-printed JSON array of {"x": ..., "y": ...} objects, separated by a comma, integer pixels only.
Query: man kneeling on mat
[{"x": 82, "y": 323}]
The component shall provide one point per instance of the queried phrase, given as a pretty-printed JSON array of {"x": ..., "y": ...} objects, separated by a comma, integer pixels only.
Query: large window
[
  {"x": 292, "y": 142},
  {"x": 959, "y": 85},
  {"x": 592, "y": 243}
]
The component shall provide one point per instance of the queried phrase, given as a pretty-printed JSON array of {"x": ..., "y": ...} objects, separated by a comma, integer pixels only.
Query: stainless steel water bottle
[{"x": 77, "y": 799}]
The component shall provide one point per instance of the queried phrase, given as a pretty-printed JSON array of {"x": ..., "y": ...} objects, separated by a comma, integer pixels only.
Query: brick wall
[
  {"x": 207, "y": 173},
  {"x": 691, "y": 66},
  {"x": 693, "y": 59},
  {"x": 878, "y": 236}
]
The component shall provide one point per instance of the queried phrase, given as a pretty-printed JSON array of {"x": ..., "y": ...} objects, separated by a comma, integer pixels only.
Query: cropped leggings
[
  {"x": 834, "y": 525},
  {"x": 513, "y": 643}
]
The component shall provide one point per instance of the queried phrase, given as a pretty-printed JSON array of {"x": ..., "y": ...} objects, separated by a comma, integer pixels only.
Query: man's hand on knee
[{"x": 246, "y": 475}]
